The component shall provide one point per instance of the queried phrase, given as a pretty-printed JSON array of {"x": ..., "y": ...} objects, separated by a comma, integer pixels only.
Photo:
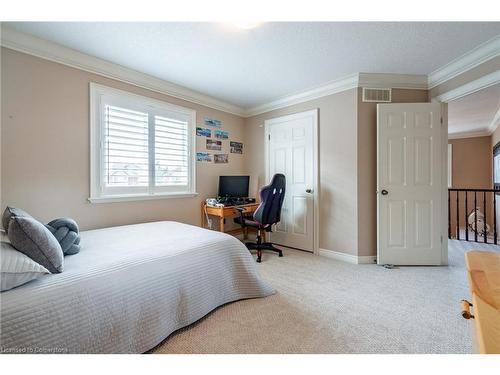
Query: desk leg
[
  {"x": 221, "y": 221},
  {"x": 203, "y": 216}
]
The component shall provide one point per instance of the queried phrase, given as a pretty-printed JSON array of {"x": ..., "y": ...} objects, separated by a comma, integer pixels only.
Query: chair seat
[{"x": 247, "y": 222}]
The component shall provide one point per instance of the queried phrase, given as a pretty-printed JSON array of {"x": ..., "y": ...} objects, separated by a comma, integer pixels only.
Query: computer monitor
[{"x": 233, "y": 186}]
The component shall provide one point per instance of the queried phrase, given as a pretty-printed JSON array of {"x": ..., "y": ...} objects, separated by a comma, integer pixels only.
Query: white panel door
[
  {"x": 409, "y": 184},
  {"x": 291, "y": 152}
]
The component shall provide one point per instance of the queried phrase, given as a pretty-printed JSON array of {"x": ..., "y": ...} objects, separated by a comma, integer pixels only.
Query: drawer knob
[{"x": 466, "y": 305}]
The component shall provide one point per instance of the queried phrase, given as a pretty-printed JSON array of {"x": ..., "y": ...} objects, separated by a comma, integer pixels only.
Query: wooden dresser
[{"x": 483, "y": 271}]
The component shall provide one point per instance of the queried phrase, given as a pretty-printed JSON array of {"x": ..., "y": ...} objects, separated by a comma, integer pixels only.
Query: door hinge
[
  {"x": 441, "y": 121},
  {"x": 441, "y": 239},
  {"x": 269, "y": 136}
]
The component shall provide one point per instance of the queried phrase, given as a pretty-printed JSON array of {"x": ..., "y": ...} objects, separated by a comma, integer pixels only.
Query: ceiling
[
  {"x": 474, "y": 113},
  {"x": 248, "y": 68}
]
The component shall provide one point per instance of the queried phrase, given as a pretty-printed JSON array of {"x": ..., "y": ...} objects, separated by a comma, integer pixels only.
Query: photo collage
[{"x": 215, "y": 138}]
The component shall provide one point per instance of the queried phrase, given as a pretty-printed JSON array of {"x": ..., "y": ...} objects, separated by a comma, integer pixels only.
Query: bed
[{"x": 128, "y": 289}]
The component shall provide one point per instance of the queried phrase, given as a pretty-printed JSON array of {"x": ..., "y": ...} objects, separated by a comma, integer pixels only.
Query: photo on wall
[
  {"x": 221, "y": 158},
  {"x": 214, "y": 145},
  {"x": 204, "y": 132},
  {"x": 236, "y": 147},
  {"x": 213, "y": 122},
  {"x": 203, "y": 157},
  {"x": 221, "y": 134}
]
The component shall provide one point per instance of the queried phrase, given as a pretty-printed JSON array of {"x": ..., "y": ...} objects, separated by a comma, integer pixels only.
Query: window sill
[{"x": 132, "y": 198}]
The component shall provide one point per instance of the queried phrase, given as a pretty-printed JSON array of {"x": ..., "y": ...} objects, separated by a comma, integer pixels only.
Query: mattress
[{"x": 128, "y": 289}]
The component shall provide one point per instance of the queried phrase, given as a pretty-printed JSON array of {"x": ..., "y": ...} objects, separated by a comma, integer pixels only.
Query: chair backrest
[{"x": 271, "y": 198}]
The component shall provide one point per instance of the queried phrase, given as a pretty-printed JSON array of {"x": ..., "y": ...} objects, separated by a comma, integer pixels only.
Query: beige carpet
[{"x": 328, "y": 306}]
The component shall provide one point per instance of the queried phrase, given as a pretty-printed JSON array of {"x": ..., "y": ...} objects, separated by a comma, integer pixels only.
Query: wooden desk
[
  {"x": 483, "y": 270},
  {"x": 224, "y": 212}
]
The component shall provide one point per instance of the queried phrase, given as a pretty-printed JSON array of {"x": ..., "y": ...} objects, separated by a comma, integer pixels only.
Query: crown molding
[
  {"x": 330, "y": 88},
  {"x": 57, "y": 53},
  {"x": 470, "y": 87},
  {"x": 393, "y": 81},
  {"x": 47, "y": 50},
  {"x": 479, "y": 133},
  {"x": 467, "y": 61},
  {"x": 469, "y": 134},
  {"x": 495, "y": 122},
  {"x": 371, "y": 80}
]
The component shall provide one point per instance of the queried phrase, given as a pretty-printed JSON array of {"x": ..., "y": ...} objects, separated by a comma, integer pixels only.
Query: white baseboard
[
  {"x": 349, "y": 258},
  {"x": 367, "y": 259}
]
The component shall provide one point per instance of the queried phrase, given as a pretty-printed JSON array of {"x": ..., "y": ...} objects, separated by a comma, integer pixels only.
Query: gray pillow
[
  {"x": 16, "y": 268},
  {"x": 31, "y": 237},
  {"x": 65, "y": 230},
  {"x": 9, "y": 213}
]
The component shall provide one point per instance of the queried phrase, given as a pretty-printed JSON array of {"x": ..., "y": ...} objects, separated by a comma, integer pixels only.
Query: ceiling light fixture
[{"x": 244, "y": 25}]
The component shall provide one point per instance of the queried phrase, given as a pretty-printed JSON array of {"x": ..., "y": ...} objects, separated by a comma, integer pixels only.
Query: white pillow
[{"x": 16, "y": 268}]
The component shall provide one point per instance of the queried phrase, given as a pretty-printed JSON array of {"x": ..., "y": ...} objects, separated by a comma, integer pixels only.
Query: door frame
[
  {"x": 444, "y": 177},
  {"x": 444, "y": 184},
  {"x": 314, "y": 114},
  {"x": 444, "y": 98}
]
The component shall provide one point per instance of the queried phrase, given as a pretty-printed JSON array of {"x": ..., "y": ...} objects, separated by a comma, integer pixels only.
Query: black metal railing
[{"x": 470, "y": 223}]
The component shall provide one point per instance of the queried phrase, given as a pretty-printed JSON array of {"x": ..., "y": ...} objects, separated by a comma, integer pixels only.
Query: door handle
[
  {"x": 384, "y": 192},
  {"x": 309, "y": 191}
]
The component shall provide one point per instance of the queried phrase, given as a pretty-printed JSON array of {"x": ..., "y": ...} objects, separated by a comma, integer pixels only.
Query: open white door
[
  {"x": 410, "y": 183},
  {"x": 292, "y": 150}
]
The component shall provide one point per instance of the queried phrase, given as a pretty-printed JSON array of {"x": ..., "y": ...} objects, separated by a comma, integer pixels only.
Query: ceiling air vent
[{"x": 376, "y": 95}]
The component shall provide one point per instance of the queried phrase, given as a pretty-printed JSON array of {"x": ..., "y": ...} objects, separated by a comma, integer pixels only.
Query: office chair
[{"x": 267, "y": 214}]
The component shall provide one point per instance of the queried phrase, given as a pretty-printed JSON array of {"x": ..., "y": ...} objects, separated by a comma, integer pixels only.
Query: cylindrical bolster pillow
[{"x": 65, "y": 230}]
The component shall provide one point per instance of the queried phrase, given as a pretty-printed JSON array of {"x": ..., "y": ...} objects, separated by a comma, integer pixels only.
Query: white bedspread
[{"x": 128, "y": 289}]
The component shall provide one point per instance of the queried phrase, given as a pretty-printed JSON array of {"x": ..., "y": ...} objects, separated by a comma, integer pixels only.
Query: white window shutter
[
  {"x": 171, "y": 152},
  {"x": 140, "y": 147},
  {"x": 126, "y": 161}
]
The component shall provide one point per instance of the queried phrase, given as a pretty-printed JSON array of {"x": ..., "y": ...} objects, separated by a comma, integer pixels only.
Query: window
[{"x": 140, "y": 148}]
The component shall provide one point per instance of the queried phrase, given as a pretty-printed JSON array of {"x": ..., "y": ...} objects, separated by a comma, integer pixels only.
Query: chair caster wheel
[
  {"x": 280, "y": 254},
  {"x": 259, "y": 260}
]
